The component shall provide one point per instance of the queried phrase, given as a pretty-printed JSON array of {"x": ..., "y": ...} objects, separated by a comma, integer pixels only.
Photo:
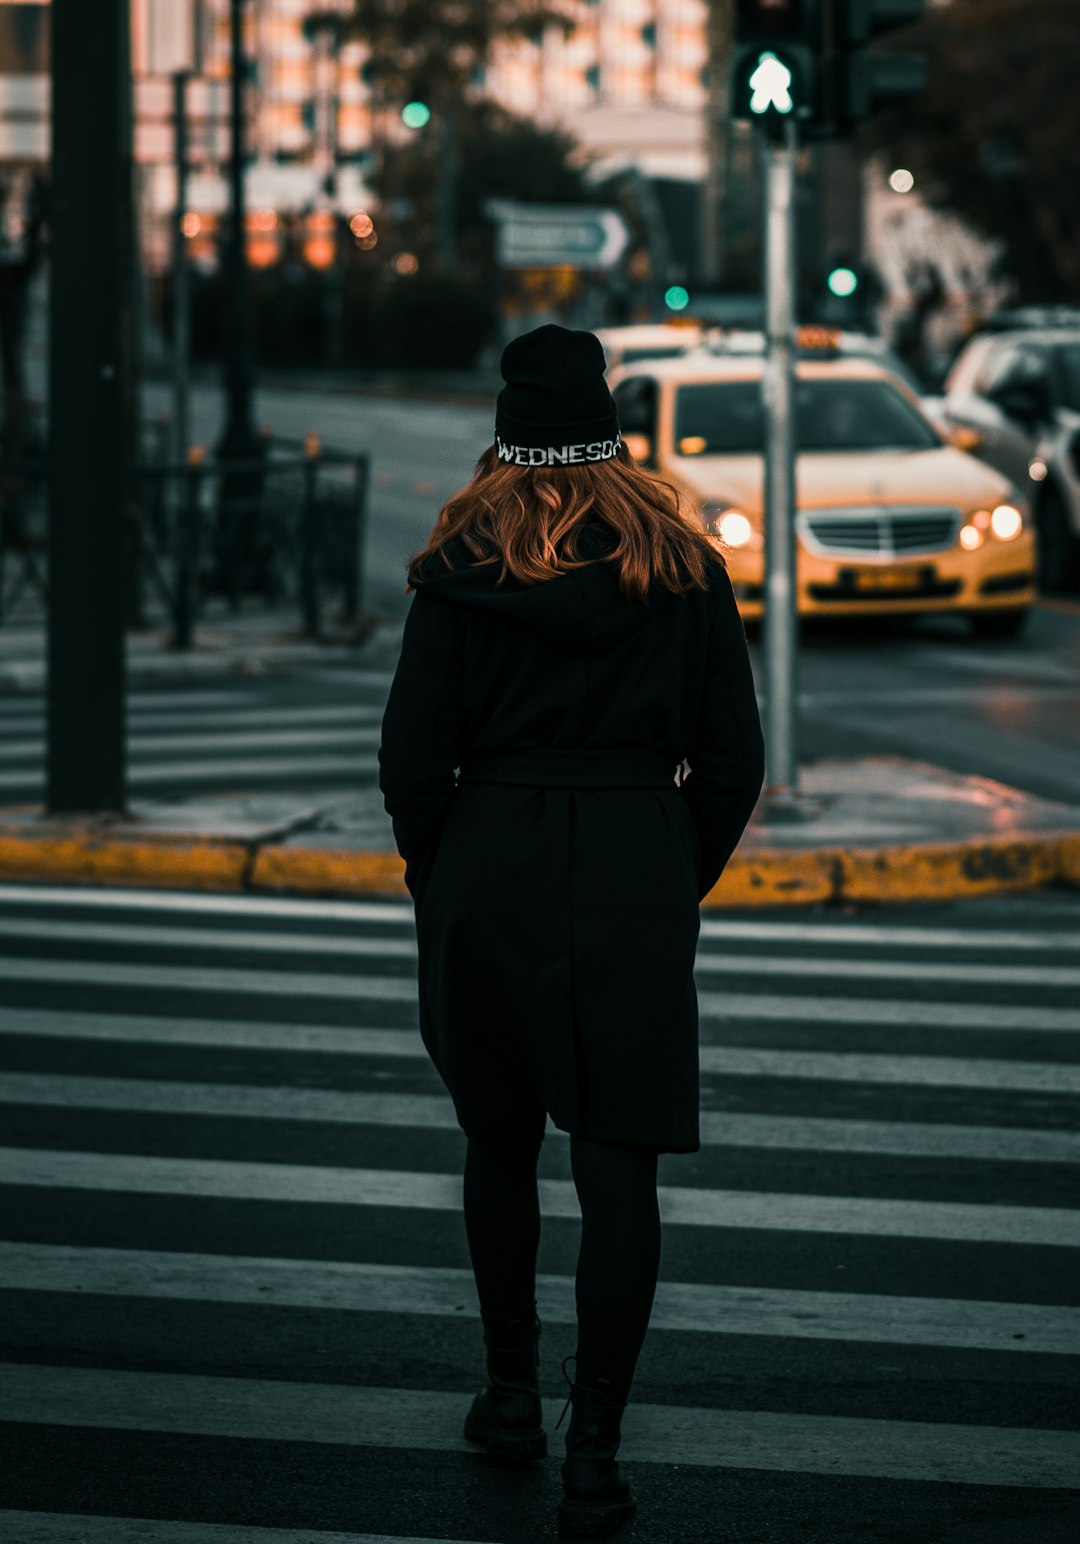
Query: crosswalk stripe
[
  {"x": 90, "y": 1528},
  {"x": 999, "y": 1144},
  {"x": 951, "y": 1072},
  {"x": 215, "y": 938},
  {"x": 234, "y": 717},
  {"x": 401, "y": 912},
  {"x": 145, "y": 748},
  {"x": 354, "y": 1416},
  {"x": 136, "y": 702},
  {"x": 997, "y": 941},
  {"x": 169, "y": 902},
  {"x": 707, "y": 964},
  {"x": 205, "y": 770},
  {"x": 959, "y": 1222},
  {"x": 445, "y": 1292},
  {"x": 722, "y": 1006}
]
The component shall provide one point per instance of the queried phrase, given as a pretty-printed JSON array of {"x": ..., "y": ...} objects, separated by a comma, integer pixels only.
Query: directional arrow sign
[{"x": 557, "y": 235}]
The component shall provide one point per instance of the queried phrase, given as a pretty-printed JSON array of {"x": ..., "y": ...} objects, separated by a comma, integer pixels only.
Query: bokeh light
[
  {"x": 676, "y": 298},
  {"x": 901, "y": 180},
  {"x": 406, "y": 262}
]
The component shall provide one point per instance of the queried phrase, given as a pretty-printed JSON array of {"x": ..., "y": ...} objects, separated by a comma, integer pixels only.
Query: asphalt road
[
  {"x": 234, "y": 1285},
  {"x": 1005, "y": 710}
]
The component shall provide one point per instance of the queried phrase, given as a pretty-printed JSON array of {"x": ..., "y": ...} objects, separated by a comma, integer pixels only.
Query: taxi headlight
[
  {"x": 1006, "y": 522},
  {"x": 970, "y": 537},
  {"x": 732, "y": 526}
]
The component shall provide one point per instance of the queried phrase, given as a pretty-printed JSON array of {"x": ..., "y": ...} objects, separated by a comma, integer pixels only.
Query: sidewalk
[
  {"x": 875, "y": 830},
  {"x": 256, "y": 642}
]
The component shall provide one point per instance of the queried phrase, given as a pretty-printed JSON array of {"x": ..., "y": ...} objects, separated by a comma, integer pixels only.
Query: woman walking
[{"x": 572, "y": 639}]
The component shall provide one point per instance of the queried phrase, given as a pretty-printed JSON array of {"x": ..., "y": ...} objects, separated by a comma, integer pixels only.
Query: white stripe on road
[
  {"x": 717, "y": 1006},
  {"x": 1002, "y": 1144},
  {"x": 698, "y": 1308},
  {"x": 351, "y": 1416},
  {"x": 877, "y": 969},
  {"x": 171, "y": 901},
  {"x": 216, "y": 938},
  {"x": 998, "y": 941},
  {"x": 146, "y": 749},
  {"x": 981, "y": 974},
  {"x": 139, "y": 1174},
  {"x": 949, "y": 1072},
  {"x": 282, "y": 716},
  {"x": 140, "y": 701},
  {"x": 191, "y": 773},
  {"x": 88, "y": 1528}
]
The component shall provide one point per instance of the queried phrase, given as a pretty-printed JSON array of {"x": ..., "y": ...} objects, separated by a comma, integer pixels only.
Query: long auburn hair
[{"x": 531, "y": 518}]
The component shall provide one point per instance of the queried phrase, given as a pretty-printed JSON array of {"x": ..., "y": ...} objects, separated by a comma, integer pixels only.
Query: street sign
[{"x": 557, "y": 235}]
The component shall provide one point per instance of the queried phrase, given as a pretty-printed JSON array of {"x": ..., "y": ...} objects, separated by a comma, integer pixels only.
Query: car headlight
[
  {"x": 1002, "y": 521},
  {"x": 733, "y": 527}
]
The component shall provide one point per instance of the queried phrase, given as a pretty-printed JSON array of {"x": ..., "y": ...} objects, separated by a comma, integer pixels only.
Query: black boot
[
  {"x": 506, "y": 1418},
  {"x": 596, "y": 1498}
]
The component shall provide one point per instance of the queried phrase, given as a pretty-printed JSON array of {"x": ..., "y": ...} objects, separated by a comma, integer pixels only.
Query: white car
[{"x": 1015, "y": 398}]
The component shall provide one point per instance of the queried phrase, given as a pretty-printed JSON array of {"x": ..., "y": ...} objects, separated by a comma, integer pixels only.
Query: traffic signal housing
[
  {"x": 779, "y": 48},
  {"x": 860, "y": 80}
]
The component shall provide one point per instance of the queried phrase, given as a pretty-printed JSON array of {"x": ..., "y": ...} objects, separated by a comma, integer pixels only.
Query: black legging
[{"x": 619, "y": 1258}]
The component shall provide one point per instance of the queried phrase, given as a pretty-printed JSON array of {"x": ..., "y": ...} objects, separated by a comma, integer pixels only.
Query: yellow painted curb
[
  {"x": 774, "y": 878},
  {"x": 314, "y": 871},
  {"x": 97, "y": 858},
  {"x": 754, "y": 877},
  {"x": 1070, "y": 861},
  {"x": 950, "y": 871}
]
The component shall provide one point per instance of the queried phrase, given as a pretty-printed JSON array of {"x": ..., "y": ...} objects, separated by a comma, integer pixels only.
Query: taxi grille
[{"x": 880, "y": 532}]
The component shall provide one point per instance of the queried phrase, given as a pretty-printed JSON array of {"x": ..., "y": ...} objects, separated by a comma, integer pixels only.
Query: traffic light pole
[
  {"x": 90, "y": 297},
  {"x": 778, "y": 392}
]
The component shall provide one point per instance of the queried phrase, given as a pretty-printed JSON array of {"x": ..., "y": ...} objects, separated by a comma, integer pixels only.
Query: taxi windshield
[{"x": 724, "y": 418}]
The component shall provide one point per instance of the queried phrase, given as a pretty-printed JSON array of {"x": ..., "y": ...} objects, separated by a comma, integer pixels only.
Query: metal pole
[
  {"x": 239, "y": 439},
  {"x": 781, "y": 617},
  {"x": 92, "y": 264},
  {"x": 181, "y": 274}
]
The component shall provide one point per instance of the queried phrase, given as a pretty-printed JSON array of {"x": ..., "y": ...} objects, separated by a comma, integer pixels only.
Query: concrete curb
[{"x": 755, "y": 877}]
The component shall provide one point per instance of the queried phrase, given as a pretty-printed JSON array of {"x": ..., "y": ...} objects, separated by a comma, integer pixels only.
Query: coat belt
[{"x": 573, "y": 768}]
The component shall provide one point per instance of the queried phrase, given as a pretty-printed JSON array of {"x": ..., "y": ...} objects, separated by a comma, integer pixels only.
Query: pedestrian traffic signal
[
  {"x": 778, "y": 48},
  {"x": 861, "y": 81}
]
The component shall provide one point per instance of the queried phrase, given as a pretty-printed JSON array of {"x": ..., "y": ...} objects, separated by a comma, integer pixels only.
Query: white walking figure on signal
[{"x": 771, "y": 85}]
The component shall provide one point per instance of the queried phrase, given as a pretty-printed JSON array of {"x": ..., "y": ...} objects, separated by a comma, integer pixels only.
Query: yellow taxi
[
  {"x": 649, "y": 340},
  {"x": 891, "y": 517}
]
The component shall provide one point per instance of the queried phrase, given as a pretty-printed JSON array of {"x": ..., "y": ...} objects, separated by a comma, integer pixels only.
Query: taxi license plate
[{"x": 871, "y": 581}]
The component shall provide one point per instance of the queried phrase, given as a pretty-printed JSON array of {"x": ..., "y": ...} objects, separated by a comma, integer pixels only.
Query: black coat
[{"x": 557, "y": 880}]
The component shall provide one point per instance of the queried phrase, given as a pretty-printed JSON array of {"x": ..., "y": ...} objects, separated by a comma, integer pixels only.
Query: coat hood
[{"x": 584, "y": 609}]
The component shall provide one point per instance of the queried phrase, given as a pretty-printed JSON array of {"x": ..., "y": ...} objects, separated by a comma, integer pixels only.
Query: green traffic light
[
  {"x": 414, "y": 115},
  {"x": 770, "y": 86},
  {"x": 676, "y": 298},
  {"x": 843, "y": 282}
]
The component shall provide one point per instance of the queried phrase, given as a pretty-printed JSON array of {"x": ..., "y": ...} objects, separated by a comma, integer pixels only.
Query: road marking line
[
  {"x": 700, "y": 1308},
  {"x": 205, "y": 770},
  {"x": 1000, "y": 1144},
  {"x": 856, "y": 934},
  {"x": 701, "y": 1207},
  {"x": 146, "y": 749},
  {"x": 93, "y": 1528},
  {"x": 720, "y": 1007},
  {"x": 214, "y": 938},
  {"x": 949, "y": 1072},
  {"x": 267, "y": 1409},
  {"x": 140, "y": 701},
  {"x": 209, "y": 723},
  {"x": 167, "y": 901},
  {"x": 708, "y": 964}
]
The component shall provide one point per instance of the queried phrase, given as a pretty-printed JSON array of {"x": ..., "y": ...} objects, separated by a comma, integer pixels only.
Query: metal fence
[{"x": 288, "y": 527}]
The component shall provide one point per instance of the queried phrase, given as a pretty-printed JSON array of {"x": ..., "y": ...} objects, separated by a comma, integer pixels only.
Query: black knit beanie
[{"x": 555, "y": 409}]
